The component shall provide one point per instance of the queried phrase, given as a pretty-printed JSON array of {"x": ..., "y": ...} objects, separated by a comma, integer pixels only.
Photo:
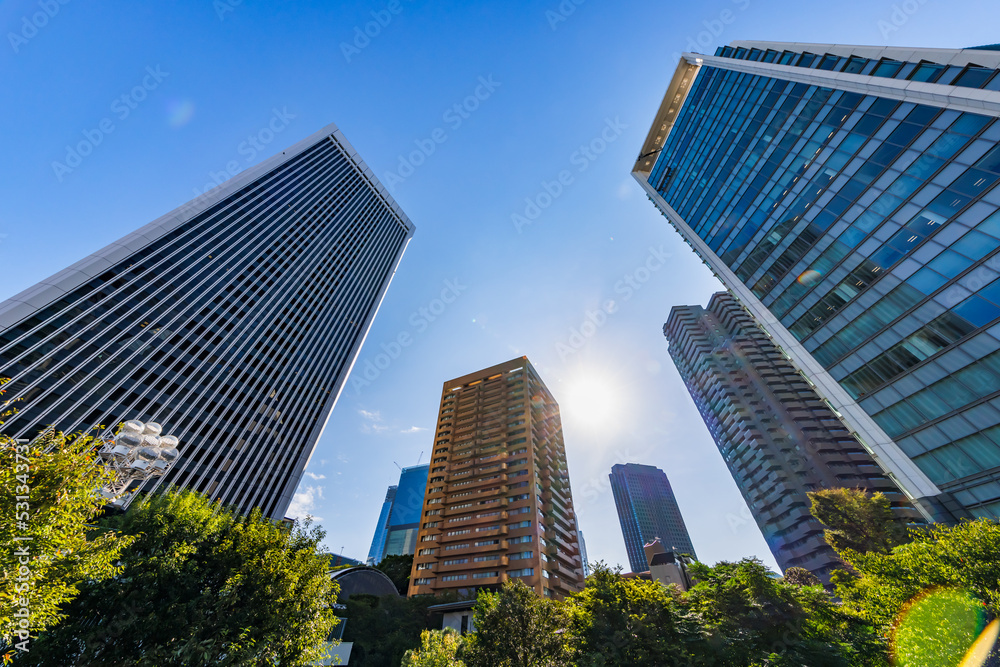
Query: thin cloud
[
  {"x": 304, "y": 502},
  {"x": 312, "y": 475},
  {"x": 413, "y": 429}
]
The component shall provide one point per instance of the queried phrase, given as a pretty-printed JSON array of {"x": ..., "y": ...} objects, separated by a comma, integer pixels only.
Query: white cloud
[
  {"x": 413, "y": 429},
  {"x": 373, "y": 425},
  {"x": 304, "y": 502},
  {"x": 312, "y": 475}
]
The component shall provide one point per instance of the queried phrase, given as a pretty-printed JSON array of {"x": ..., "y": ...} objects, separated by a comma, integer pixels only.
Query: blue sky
[{"x": 172, "y": 96}]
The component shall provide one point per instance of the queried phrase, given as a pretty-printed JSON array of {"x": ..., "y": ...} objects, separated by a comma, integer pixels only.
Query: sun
[{"x": 590, "y": 400}]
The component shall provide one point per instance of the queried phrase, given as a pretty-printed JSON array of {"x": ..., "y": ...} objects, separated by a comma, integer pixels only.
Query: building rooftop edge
[{"x": 100, "y": 260}]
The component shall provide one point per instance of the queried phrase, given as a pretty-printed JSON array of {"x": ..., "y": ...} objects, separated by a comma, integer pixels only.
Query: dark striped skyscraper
[
  {"x": 779, "y": 439},
  {"x": 233, "y": 320},
  {"x": 846, "y": 197},
  {"x": 647, "y": 510}
]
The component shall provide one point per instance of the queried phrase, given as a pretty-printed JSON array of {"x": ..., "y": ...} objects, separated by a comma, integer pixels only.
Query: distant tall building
[
  {"x": 233, "y": 320},
  {"x": 377, "y": 550},
  {"x": 779, "y": 439},
  {"x": 846, "y": 195},
  {"x": 583, "y": 554},
  {"x": 498, "y": 503},
  {"x": 647, "y": 510},
  {"x": 404, "y": 519}
]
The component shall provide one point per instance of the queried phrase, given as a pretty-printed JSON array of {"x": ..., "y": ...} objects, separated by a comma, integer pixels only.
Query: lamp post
[{"x": 136, "y": 454}]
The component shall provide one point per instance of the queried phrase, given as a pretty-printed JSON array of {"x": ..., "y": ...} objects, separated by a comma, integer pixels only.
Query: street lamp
[{"x": 135, "y": 455}]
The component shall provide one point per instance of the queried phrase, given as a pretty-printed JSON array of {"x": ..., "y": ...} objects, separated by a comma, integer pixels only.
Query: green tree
[
  {"x": 619, "y": 621},
  {"x": 857, "y": 521},
  {"x": 517, "y": 628},
  {"x": 965, "y": 557},
  {"x": 754, "y": 618},
  {"x": 200, "y": 585},
  {"x": 438, "y": 648},
  {"x": 384, "y": 628},
  {"x": 49, "y": 490},
  {"x": 398, "y": 569},
  {"x": 801, "y": 577}
]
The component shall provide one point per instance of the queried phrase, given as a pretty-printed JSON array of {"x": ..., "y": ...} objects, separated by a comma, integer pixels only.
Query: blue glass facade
[
  {"x": 377, "y": 549},
  {"x": 863, "y": 216},
  {"x": 404, "y": 518},
  {"x": 647, "y": 510}
]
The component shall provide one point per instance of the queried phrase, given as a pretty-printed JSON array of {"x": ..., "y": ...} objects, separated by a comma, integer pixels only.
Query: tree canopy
[
  {"x": 857, "y": 521},
  {"x": 49, "y": 491},
  {"x": 200, "y": 585},
  {"x": 398, "y": 569},
  {"x": 517, "y": 628},
  {"x": 438, "y": 648}
]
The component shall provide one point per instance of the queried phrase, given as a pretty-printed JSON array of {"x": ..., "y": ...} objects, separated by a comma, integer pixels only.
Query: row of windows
[{"x": 970, "y": 76}]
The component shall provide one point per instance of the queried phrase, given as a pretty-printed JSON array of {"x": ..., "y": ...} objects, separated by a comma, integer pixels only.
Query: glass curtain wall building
[
  {"x": 233, "y": 320},
  {"x": 779, "y": 439},
  {"x": 845, "y": 195},
  {"x": 377, "y": 550},
  {"x": 647, "y": 510},
  {"x": 404, "y": 518}
]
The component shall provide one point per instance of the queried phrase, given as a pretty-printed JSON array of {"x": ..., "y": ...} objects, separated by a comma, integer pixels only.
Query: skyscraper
[
  {"x": 845, "y": 195},
  {"x": 779, "y": 439},
  {"x": 377, "y": 550},
  {"x": 498, "y": 503},
  {"x": 234, "y": 320},
  {"x": 404, "y": 519},
  {"x": 647, "y": 510}
]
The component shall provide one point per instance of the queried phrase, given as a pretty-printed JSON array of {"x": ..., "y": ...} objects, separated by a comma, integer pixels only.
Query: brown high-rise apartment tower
[{"x": 498, "y": 503}]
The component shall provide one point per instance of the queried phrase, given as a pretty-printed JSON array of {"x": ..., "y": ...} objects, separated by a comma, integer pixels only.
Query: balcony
[
  {"x": 483, "y": 549},
  {"x": 487, "y": 581}
]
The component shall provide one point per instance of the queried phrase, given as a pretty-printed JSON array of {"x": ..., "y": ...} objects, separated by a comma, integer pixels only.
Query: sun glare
[{"x": 590, "y": 400}]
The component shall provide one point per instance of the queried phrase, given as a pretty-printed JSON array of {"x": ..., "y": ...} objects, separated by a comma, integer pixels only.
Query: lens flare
[
  {"x": 980, "y": 651},
  {"x": 179, "y": 112},
  {"x": 809, "y": 277},
  {"x": 938, "y": 627}
]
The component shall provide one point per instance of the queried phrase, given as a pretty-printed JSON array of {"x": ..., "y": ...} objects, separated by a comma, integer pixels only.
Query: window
[
  {"x": 455, "y": 561},
  {"x": 421, "y": 582},
  {"x": 454, "y": 577},
  {"x": 526, "y": 572},
  {"x": 427, "y": 552},
  {"x": 485, "y": 575}
]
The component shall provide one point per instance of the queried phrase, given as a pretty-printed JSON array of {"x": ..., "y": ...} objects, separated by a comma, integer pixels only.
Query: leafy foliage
[
  {"x": 49, "y": 490},
  {"x": 384, "y": 628},
  {"x": 200, "y": 585},
  {"x": 619, "y": 621},
  {"x": 857, "y": 521},
  {"x": 800, "y": 576},
  {"x": 963, "y": 557},
  {"x": 438, "y": 648},
  {"x": 754, "y": 618},
  {"x": 517, "y": 628},
  {"x": 398, "y": 569}
]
